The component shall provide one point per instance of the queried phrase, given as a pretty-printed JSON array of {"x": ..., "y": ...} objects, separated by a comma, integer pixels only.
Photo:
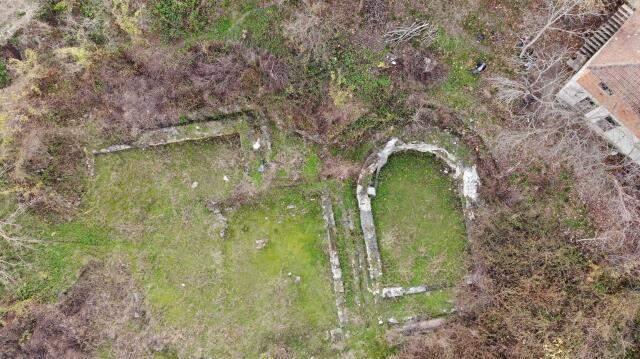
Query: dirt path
[{"x": 14, "y": 14}]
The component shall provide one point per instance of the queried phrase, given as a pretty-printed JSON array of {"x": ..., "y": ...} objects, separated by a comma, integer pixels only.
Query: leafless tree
[
  {"x": 531, "y": 94},
  {"x": 544, "y": 129},
  {"x": 422, "y": 30},
  {"x": 610, "y": 190},
  {"x": 566, "y": 16},
  {"x": 12, "y": 240}
]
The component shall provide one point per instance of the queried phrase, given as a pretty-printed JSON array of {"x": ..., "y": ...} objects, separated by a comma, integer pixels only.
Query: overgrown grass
[
  {"x": 419, "y": 221},
  {"x": 355, "y": 69},
  {"x": 461, "y": 57},
  {"x": 177, "y": 18},
  {"x": 226, "y": 297},
  {"x": 64, "y": 249},
  {"x": 311, "y": 169},
  {"x": 262, "y": 293},
  {"x": 135, "y": 197},
  {"x": 247, "y": 22}
]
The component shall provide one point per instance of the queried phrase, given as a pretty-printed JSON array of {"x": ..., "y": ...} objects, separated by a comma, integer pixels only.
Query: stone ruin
[{"x": 468, "y": 183}]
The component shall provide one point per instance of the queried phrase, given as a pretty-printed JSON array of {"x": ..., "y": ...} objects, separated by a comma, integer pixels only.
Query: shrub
[
  {"x": 4, "y": 75},
  {"x": 51, "y": 10},
  {"x": 310, "y": 33},
  {"x": 175, "y": 18}
]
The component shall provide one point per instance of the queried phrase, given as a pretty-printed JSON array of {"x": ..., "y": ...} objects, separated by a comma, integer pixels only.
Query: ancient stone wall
[{"x": 466, "y": 176}]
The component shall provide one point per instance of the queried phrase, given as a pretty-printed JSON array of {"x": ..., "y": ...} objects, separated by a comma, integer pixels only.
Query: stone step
[
  {"x": 626, "y": 10},
  {"x": 616, "y": 21},
  {"x": 589, "y": 49},
  {"x": 600, "y": 37},
  {"x": 608, "y": 30},
  {"x": 594, "y": 43}
]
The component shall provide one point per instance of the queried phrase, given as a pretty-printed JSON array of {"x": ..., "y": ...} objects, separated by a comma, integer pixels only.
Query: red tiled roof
[{"x": 622, "y": 80}]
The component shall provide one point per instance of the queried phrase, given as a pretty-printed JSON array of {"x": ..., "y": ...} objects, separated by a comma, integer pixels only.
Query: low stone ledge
[
  {"x": 396, "y": 292},
  {"x": 334, "y": 259},
  {"x": 111, "y": 149},
  {"x": 417, "y": 327},
  {"x": 177, "y": 134}
]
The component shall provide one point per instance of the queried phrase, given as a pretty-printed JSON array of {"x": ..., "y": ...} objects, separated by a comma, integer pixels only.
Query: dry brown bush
[
  {"x": 557, "y": 249},
  {"x": 275, "y": 73},
  {"x": 226, "y": 72},
  {"x": 104, "y": 306},
  {"x": 310, "y": 31},
  {"x": 423, "y": 67},
  {"x": 120, "y": 94},
  {"x": 542, "y": 128},
  {"x": 338, "y": 168},
  {"x": 539, "y": 293},
  {"x": 374, "y": 12}
]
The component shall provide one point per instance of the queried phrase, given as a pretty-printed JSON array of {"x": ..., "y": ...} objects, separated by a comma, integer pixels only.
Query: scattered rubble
[{"x": 261, "y": 243}]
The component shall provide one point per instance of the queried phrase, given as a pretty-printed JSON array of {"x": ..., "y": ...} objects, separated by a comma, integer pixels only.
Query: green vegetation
[
  {"x": 88, "y": 8},
  {"x": 136, "y": 196},
  {"x": 151, "y": 205},
  {"x": 311, "y": 168},
  {"x": 461, "y": 57},
  {"x": 261, "y": 289},
  {"x": 51, "y": 10},
  {"x": 177, "y": 18},
  {"x": 246, "y": 22},
  {"x": 354, "y": 70},
  {"x": 194, "y": 277},
  {"x": 419, "y": 221},
  {"x": 5, "y": 79},
  {"x": 65, "y": 250}
]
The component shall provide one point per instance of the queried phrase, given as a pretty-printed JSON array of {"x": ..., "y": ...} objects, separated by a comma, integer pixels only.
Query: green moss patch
[{"x": 281, "y": 294}]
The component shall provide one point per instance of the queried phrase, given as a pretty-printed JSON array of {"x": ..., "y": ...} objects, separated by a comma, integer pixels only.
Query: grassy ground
[
  {"x": 222, "y": 296},
  {"x": 411, "y": 185},
  {"x": 420, "y": 226},
  {"x": 264, "y": 301},
  {"x": 230, "y": 298}
]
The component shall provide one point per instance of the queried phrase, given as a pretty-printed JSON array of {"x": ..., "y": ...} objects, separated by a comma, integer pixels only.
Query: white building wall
[{"x": 619, "y": 136}]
